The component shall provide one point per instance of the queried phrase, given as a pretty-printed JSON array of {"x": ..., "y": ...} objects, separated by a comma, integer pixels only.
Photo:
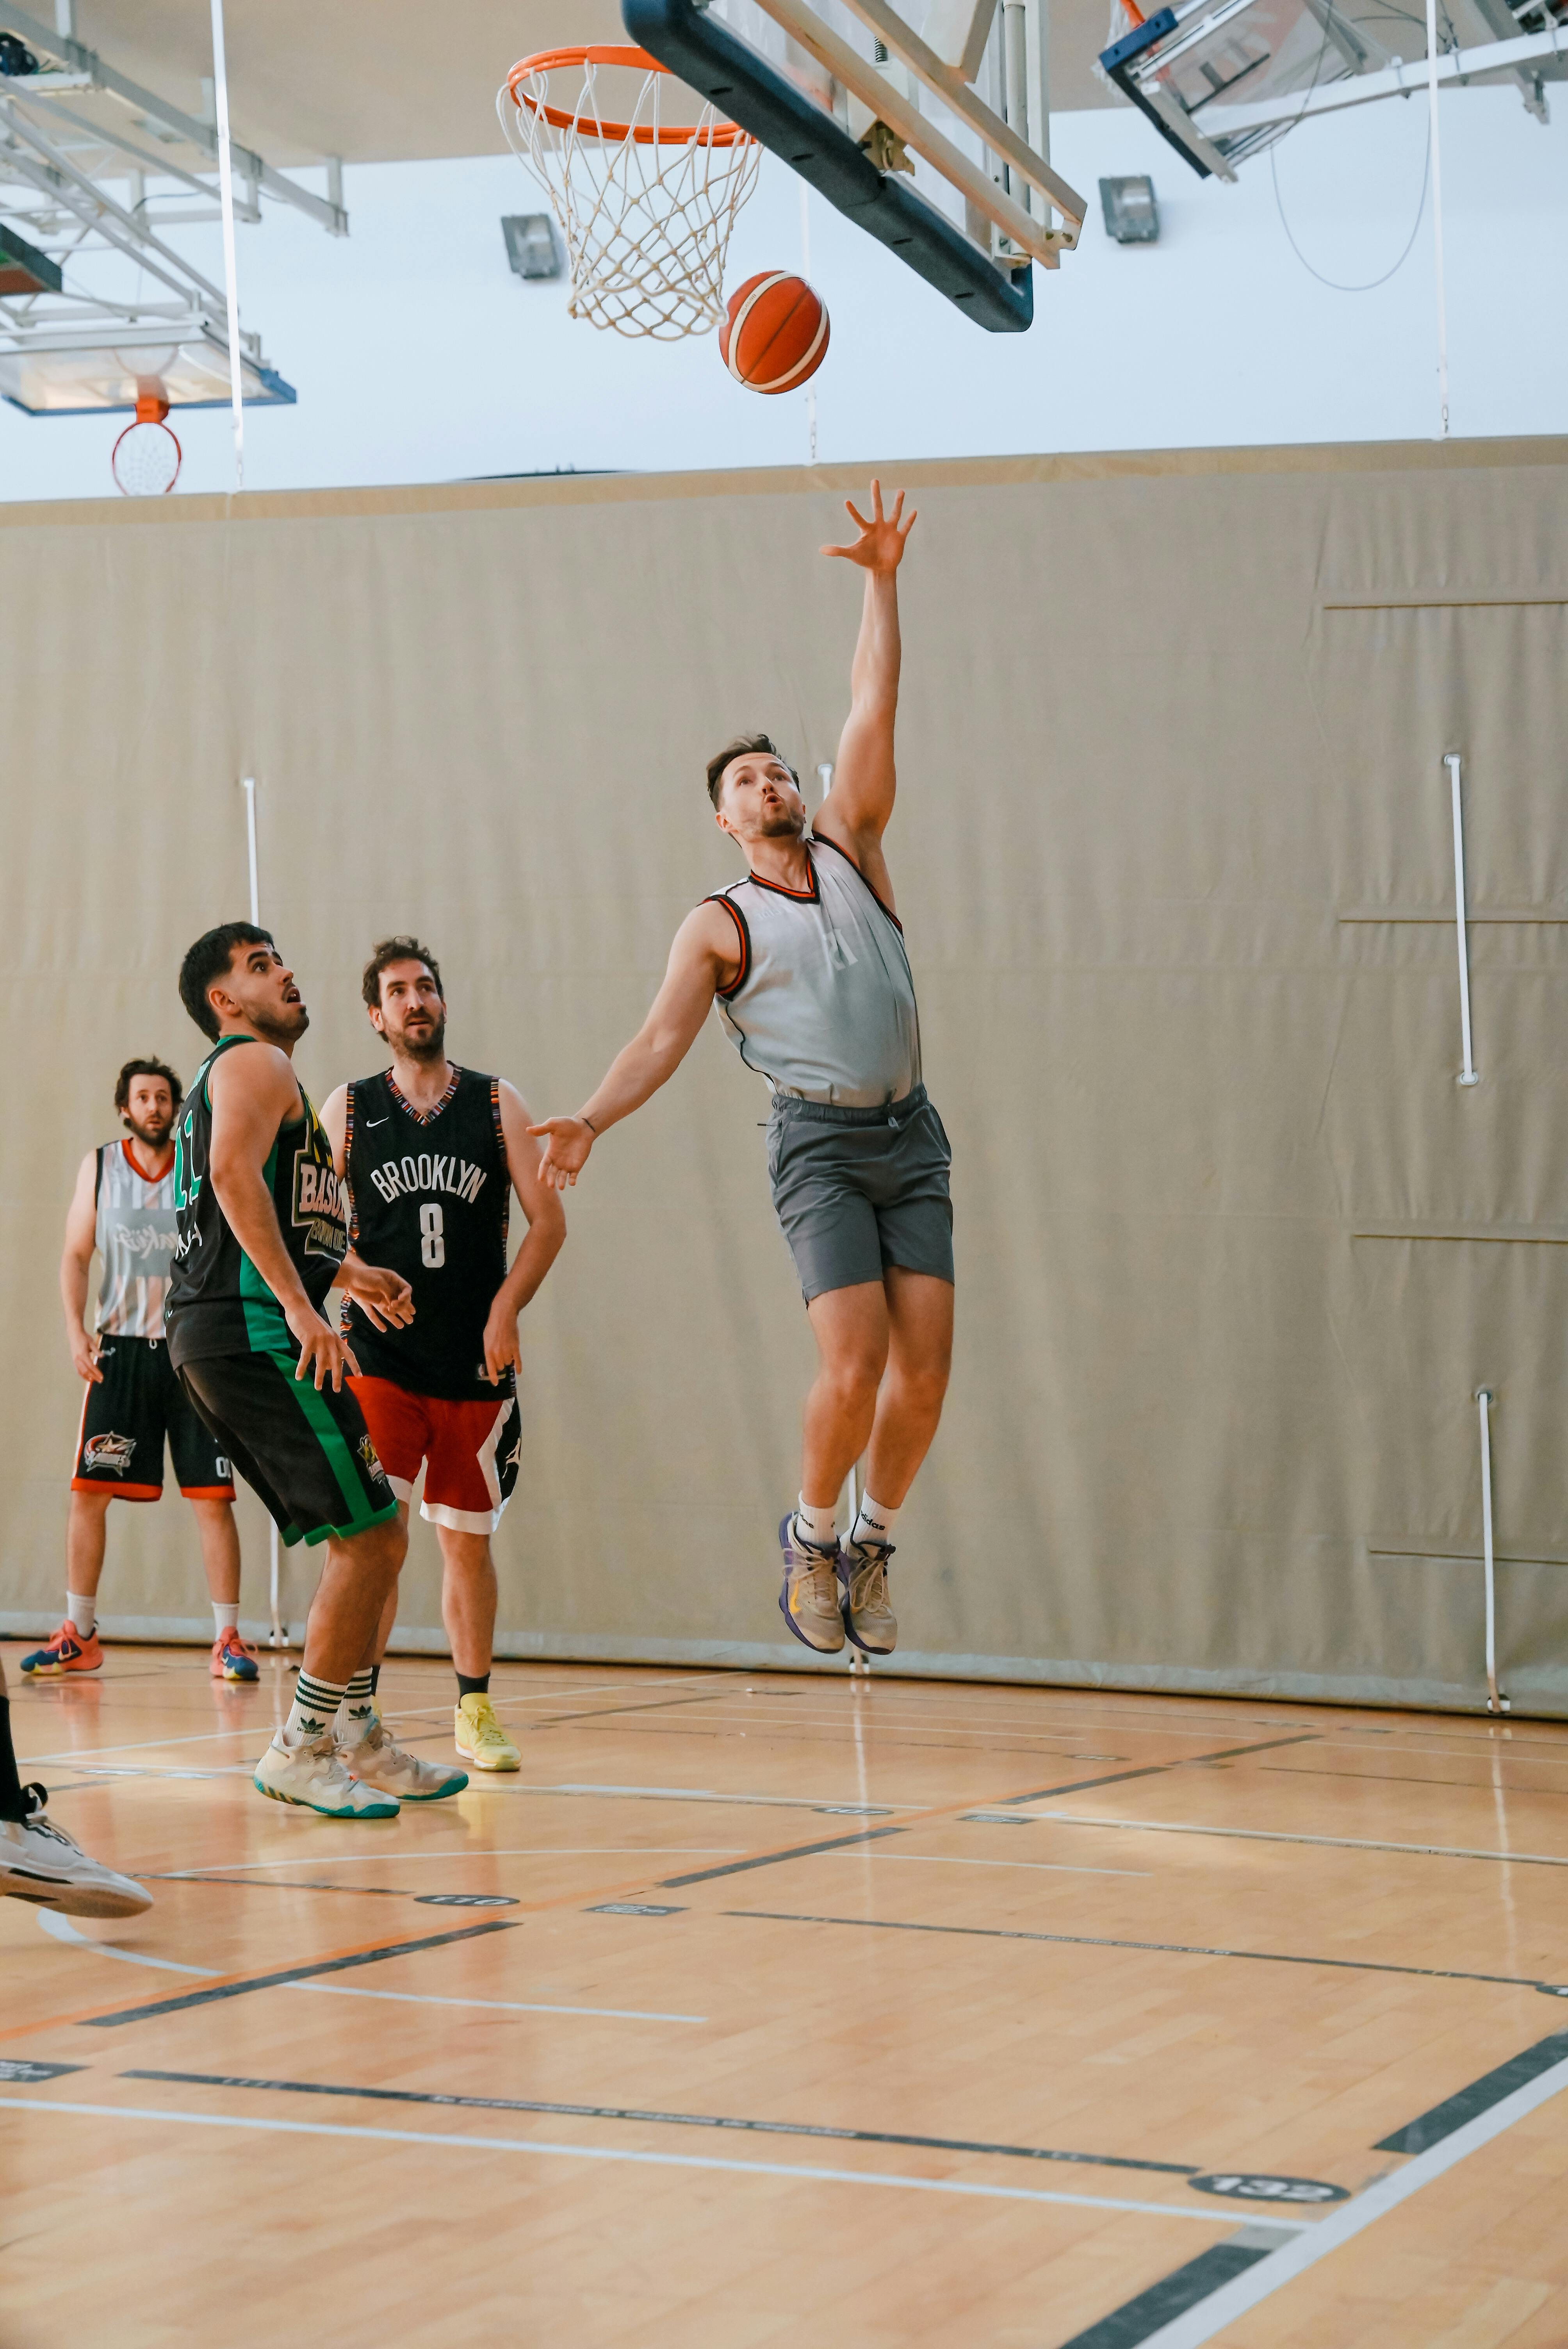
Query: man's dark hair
[
  {"x": 146, "y": 1069},
  {"x": 210, "y": 959},
  {"x": 402, "y": 948},
  {"x": 744, "y": 746}
]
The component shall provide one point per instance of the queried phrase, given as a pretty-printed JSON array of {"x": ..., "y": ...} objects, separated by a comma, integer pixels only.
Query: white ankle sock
[
  {"x": 875, "y": 1524},
  {"x": 82, "y": 1613},
  {"x": 816, "y": 1525},
  {"x": 315, "y": 1709},
  {"x": 357, "y": 1711},
  {"x": 225, "y": 1616}
]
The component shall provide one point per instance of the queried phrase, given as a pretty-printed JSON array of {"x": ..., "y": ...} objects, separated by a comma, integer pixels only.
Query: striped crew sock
[
  {"x": 314, "y": 1710},
  {"x": 358, "y": 1708}
]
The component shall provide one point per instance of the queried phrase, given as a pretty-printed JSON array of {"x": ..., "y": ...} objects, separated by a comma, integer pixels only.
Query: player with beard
[
  {"x": 262, "y": 1239},
  {"x": 805, "y": 958},
  {"x": 431, "y": 1155},
  {"x": 124, "y": 1207}
]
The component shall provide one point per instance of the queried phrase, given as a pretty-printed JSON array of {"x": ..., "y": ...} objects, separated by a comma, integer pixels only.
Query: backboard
[{"x": 934, "y": 141}]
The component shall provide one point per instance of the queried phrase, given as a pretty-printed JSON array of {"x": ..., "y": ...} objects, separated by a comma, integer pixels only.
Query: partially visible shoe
[
  {"x": 40, "y": 1862},
  {"x": 809, "y": 1601},
  {"x": 867, "y": 1609},
  {"x": 479, "y": 1736},
  {"x": 312, "y": 1775},
  {"x": 231, "y": 1659},
  {"x": 377, "y": 1761},
  {"x": 66, "y": 1651}
]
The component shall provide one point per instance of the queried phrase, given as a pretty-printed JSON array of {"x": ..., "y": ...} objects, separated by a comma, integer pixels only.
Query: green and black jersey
[{"x": 218, "y": 1302}]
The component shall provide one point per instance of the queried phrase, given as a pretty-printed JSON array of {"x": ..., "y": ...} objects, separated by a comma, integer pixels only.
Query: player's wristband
[{"x": 589, "y": 1124}]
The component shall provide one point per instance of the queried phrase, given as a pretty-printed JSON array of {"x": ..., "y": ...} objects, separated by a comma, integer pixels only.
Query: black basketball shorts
[
  {"x": 307, "y": 1456},
  {"x": 125, "y": 1417}
]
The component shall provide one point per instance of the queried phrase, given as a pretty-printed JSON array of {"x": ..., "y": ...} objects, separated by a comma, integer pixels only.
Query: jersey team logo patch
[
  {"x": 372, "y": 1465},
  {"x": 111, "y": 1452},
  {"x": 318, "y": 1208}
]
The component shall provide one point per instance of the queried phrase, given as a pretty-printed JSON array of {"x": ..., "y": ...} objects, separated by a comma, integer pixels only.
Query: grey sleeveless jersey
[
  {"x": 136, "y": 1239},
  {"x": 823, "y": 1006}
]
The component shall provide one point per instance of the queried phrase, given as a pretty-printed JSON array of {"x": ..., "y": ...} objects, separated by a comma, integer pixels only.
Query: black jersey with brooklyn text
[
  {"x": 428, "y": 1195},
  {"x": 218, "y": 1302}
]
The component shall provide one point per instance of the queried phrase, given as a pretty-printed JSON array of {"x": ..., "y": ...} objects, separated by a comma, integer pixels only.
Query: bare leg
[
  {"x": 84, "y": 1537},
  {"x": 850, "y": 1327},
  {"x": 220, "y": 1549},
  {"x": 909, "y": 1403},
  {"x": 359, "y": 1576},
  {"x": 390, "y": 1612},
  {"x": 468, "y": 1598}
]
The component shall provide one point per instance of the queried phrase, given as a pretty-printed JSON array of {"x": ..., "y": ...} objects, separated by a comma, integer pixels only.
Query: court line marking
[
  {"x": 1439, "y": 2121},
  {"x": 1338, "y": 1843},
  {"x": 1235, "y": 2299},
  {"x": 1158, "y": 1949},
  {"x": 62, "y": 1930},
  {"x": 810, "y": 2174},
  {"x": 1159, "y": 1769},
  {"x": 1040, "y": 1867},
  {"x": 1182, "y": 2170},
  {"x": 384, "y": 1858},
  {"x": 772, "y": 1859},
  {"x": 241, "y": 1985}
]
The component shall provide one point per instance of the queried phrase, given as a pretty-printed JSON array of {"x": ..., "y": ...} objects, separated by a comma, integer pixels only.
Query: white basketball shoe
[
  {"x": 41, "y": 1863},
  {"x": 311, "y": 1773}
]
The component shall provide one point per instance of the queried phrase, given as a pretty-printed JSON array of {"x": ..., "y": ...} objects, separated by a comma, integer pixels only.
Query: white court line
[
  {"x": 1270, "y": 1835},
  {"x": 1282, "y": 2267},
  {"x": 461, "y": 1851},
  {"x": 711, "y": 1795},
  {"x": 938, "y": 1859},
  {"x": 62, "y": 1930},
  {"x": 607, "y": 2153}
]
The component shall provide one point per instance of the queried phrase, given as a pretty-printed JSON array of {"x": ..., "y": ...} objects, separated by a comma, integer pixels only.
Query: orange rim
[{"x": 560, "y": 118}]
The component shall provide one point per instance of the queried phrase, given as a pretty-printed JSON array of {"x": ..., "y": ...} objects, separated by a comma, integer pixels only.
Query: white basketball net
[
  {"x": 646, "y": 208},
  {"x": 145, "y": 460}
]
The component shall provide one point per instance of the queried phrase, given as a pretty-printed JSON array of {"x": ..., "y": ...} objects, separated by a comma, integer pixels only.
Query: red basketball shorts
[{"x": 469, "y": 1452}]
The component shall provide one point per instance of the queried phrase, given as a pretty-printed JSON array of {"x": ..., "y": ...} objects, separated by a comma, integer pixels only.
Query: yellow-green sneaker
[{"x": 481, "y": 1738}]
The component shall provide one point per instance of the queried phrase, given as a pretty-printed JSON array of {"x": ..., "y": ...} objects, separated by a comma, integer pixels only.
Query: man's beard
[
  {"x": 149, "y": 1137},
  {"x": 282, "y": 1027},
  {"x": 423, "y": 1044},
  {"x": 785, "y": 824}
]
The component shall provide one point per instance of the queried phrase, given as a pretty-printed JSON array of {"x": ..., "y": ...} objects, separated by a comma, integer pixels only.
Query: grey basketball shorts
[{"x": 857, "y": 1190}]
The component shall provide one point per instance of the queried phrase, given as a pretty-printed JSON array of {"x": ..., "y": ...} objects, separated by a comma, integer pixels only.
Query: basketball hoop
[
  {"x": 146, "y": 459},
  {"x": 646, "y": 206}
]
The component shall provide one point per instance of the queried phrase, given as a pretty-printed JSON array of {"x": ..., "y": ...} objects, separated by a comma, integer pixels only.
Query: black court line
[
  {"x": 1159, "y": 1769},
  {"x": 269, "y": 1884},
  {"x": 1137, "y": 2319},
  {"x": 773, "y": 1858},
  {"x": 1159, "y": 1949},
  {"x": 673, "y": 2120},
  {"x": 290, "y": 1974},
  {"x": 1431, "y": 2127}
]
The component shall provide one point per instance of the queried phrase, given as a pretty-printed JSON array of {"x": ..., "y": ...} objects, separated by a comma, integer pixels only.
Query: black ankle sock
[
  {"x": 374, "y": 1677},
  {"x": 14, "y": 1804},
  {"x": 472, "y": 1684}
]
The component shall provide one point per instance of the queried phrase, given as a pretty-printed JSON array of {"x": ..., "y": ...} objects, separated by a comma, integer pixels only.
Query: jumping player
[
  {"x": 262, "y": 1239},
  {"x": 431, "y": 1155},
  {"x": 805, "y": 957},
  {"x": 124, "y": 1207}
]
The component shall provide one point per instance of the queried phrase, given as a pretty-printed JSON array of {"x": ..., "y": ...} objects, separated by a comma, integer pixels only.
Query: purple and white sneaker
[{"x": 809, "y": 1601}]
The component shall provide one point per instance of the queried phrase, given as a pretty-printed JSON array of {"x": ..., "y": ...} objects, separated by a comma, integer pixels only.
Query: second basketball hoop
[{"x": 646, "y": 205}]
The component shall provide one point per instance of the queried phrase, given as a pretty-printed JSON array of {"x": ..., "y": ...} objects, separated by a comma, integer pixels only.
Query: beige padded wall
[{"x": 1173, "y": 852}]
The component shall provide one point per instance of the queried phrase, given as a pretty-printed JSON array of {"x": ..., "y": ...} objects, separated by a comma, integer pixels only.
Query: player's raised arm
[
  {"x": 704, "y": 956},
  {"x": 543, "y": 1242},
  {"x": 855, "y": 813},
  {"x": 254, "y": 1094},
  {"x": 76, "y": 1262}
]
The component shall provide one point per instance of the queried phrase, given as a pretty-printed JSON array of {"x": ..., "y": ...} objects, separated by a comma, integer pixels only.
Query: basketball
[{"x": 775, "y": 333}]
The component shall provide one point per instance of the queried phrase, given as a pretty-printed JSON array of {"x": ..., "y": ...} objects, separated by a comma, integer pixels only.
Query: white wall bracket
[{"x": 1495, "y": 1700}]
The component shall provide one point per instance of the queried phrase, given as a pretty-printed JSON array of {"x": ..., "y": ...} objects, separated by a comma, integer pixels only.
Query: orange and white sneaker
[
  {"x": 67, "y": 1651},
  {"x": 231, "y": 1659}
]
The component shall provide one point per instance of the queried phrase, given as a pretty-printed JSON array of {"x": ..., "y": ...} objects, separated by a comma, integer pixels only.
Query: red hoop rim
[{"x": 721, "y": 134}]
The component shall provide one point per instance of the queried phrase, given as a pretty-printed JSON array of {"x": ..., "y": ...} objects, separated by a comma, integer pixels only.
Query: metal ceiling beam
[
  {"x": 1401, "y": 80},
  {"x": 203, "y": 136}
]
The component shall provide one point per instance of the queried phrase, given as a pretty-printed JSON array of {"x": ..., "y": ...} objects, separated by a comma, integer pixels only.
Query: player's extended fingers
[
  {"x": 836, "y": 550},
  {"x": 857, "y": 518},
  {"x": 351, "y": 1360},
  {"x": 913, "y": 517}
]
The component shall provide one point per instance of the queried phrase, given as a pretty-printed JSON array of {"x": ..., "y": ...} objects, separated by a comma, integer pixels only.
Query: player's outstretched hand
[
  {"x": 324, "y": 1352},
  {"x": 503, "y": 1349},
  {"x": 383, "y": 1296},
  {"x": 881, "y": 541},
  {"x": 568, "y": 1141},
  {"x": 84, "y": 1357}
]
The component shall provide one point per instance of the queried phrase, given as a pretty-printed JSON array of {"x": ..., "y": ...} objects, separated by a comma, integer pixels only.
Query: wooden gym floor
[{"x": 774, "y": 2009}]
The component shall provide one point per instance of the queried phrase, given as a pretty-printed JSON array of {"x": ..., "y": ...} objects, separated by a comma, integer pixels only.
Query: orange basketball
[{"x": 775, "y": 333}]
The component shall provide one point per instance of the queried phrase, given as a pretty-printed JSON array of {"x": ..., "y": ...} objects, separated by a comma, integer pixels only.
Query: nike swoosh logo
[{"x": 375, "y": 1121}]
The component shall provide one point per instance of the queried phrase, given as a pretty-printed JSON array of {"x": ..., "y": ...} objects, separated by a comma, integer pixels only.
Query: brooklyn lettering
[{"x": 414, "y": 1178}]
